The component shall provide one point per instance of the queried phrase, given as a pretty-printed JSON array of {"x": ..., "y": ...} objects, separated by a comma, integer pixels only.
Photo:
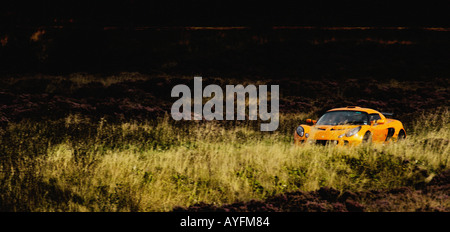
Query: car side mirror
[
  {"x": 310, "y": 121},
  {"x": 381, "y": 121}
]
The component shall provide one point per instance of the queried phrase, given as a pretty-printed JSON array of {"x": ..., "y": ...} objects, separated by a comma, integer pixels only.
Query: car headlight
[
  {"x": 353, "y": 131},
  {"x": 300, "y": 131}
]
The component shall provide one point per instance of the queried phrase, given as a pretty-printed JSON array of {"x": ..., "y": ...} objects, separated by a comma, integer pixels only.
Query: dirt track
[{"x": 331, "y": 200}]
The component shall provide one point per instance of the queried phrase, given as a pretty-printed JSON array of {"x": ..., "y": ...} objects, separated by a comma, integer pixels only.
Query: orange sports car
[{"x": 350, "y": 126}]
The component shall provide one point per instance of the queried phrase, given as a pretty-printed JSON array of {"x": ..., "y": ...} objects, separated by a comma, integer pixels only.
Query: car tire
[
  {"x": 401, "y": 135},
  {"x": 367, "y": 137}
]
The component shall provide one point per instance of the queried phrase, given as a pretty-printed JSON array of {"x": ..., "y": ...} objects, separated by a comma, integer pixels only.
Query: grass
[{"x": 77, "y": 164}]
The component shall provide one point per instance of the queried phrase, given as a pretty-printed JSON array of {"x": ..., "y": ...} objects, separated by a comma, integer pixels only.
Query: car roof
[{"x": 356, "y": 108}]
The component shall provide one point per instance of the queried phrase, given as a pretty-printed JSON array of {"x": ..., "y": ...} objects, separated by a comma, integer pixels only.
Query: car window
[
  {"x": 344, "y": 117},
  {"x": 374, "y": 117}
]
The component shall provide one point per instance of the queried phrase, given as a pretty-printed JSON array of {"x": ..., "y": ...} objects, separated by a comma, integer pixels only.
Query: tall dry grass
[{"x": 76, "y": 164}]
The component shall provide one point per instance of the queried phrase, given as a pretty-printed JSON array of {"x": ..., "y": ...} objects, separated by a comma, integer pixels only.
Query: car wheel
[
  {"x": 367, "y": 137},
  {"x": 401, "y": 135}
]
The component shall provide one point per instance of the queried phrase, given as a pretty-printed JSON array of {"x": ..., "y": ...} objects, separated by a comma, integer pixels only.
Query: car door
[{"x": 379, "y": 128}]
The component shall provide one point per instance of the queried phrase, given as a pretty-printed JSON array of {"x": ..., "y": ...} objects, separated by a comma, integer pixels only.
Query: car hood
[
  {"x": 325, "y": 132},
  {"x": 333, "y": 128}
]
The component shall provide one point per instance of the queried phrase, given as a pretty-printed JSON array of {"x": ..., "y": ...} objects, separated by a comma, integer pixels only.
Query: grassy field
[
  {"x": 78, "y": 163},
  {"x": 84, "y": 122}
]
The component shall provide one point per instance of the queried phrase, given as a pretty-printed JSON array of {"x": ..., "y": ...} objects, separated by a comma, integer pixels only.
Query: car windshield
[{"x": 344, "y": 118}]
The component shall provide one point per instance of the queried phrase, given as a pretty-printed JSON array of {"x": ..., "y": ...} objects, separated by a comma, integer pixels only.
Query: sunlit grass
[{"x": 76, "y": 164}]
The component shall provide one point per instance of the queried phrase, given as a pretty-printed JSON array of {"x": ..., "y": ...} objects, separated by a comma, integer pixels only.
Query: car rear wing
[{"x": 387, "y": 114}]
